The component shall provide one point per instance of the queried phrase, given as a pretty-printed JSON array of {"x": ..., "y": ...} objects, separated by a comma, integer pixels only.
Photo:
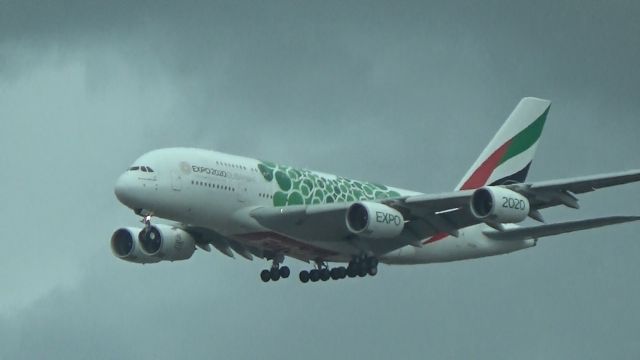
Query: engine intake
[
  {"x": 499, "y": 204},
  {"x": 167, "y": 242},
  {"x": 374, "y": 220},
  {"x": 124, "y": 244}
]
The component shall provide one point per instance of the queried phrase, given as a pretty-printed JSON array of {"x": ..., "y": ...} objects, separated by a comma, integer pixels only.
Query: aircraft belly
[
  {"x": 302, "y": 250},
  {"x": 470, "y": 244}
]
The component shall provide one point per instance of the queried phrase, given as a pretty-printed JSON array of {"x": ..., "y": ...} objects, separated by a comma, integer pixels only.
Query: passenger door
[{"x": 176, "y": 181}]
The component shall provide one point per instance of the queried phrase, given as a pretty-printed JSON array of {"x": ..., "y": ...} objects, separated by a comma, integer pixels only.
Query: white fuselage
[{"x": 217, "y": 191}]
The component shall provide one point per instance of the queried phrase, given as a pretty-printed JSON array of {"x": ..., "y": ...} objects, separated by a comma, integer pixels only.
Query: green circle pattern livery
[{"x": 303, "y": 187}]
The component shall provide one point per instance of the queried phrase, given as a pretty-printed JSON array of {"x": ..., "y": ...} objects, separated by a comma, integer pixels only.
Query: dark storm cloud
[{"x": 404, "y": 93}]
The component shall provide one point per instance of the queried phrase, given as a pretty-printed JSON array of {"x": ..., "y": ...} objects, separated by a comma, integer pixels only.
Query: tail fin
[{"x": 508, "y": 156}]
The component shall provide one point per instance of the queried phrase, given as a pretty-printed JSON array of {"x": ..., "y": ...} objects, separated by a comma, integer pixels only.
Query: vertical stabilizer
[{"x": 508, "y": 156}]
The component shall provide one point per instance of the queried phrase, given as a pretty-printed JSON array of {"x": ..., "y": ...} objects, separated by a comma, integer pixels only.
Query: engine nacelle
[
  {"x": 499, "y": 204},
  {"x": 167, "y": 242},
  {"x": 124, "y": 244},
  {"x": 374, "y": 220}
]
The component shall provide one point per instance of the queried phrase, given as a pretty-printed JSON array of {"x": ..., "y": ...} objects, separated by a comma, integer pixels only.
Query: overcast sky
[{"x": 404, "y": 93}]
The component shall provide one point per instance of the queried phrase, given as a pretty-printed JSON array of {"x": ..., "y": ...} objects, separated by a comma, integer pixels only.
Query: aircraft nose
[{"x": 123, "y": 189}]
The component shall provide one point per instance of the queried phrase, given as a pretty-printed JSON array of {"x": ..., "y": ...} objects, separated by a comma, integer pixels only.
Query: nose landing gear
[{"x": 146, "y": 220}]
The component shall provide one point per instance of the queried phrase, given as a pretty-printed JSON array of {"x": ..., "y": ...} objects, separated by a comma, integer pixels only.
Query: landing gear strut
[{"x": 276, "y": 272}]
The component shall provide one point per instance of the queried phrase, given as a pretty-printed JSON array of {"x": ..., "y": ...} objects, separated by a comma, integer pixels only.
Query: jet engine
[
  {"x": 374, "y": 220},
  {"x": 166, "y": 242},
  {"x": 124, "y": 244},
  {"x": 498, "y": 204}
]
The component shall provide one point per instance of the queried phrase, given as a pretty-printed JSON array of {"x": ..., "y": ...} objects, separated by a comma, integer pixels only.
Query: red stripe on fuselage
[
  {"x": 436, "y": 237},
  {"x": 482, "y": 174}
]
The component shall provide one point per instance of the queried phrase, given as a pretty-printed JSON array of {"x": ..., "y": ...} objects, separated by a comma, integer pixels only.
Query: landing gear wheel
[
  {"x": 342, "y": 272},
  {"x": 362, "y": 272},
  {"x": 304, "y": 276},
  {"x": 284, "y": 272},
  {"x": 314, "y": 275},
  {"x": 335, "y": 274},
  {"x": 265, "y": 275},
  {"x": 373, "y": 271},
  {"x": 325, "y": 274},
  {"x": 275, "y": 274}
]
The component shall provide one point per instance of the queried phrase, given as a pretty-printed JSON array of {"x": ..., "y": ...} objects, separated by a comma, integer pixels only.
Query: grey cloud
[{"x": 404, "y": 93}]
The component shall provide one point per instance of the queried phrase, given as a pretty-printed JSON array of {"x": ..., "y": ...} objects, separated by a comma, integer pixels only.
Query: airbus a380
[{"x": 256, "y": 208}]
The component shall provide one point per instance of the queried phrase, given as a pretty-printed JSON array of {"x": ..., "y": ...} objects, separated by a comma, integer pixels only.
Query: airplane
[{"x": 260, "y": 209}]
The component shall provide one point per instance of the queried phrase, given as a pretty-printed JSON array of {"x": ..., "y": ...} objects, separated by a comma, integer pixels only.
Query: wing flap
[
  {"x": 536, "y": 232},
  {"x": 206, "y": 237}
]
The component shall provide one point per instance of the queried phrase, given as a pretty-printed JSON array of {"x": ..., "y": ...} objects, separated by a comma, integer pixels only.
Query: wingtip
[
  {"x": 536, "y": 99},
  {"x": 625, "y": 219}
]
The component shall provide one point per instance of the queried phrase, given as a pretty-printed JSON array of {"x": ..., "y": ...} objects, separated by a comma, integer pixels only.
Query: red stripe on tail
[{"x": 482, "y": 174}]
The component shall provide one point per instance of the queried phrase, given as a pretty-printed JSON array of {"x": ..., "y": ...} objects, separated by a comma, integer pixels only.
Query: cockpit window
[{"x": 141, "y": 168}]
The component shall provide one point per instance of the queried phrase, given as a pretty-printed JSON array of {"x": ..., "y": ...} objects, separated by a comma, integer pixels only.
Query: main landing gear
[
  {"x": 321, "y": 272},
  {"x": 358, "y": 266},
  {"x": 276, "y": 272}
]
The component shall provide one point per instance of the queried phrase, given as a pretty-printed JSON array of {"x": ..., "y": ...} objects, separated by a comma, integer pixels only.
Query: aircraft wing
[
  {"x": 205, "y": 237},
  {"x": 536, "y": 232},
  {"x": 445, "y": 213},
  {"x": 546, "y": 194},
  {"x": 430, "y": 216},
  {"x": 327, "y": 222},
  {"x": 425, "y": 216}
]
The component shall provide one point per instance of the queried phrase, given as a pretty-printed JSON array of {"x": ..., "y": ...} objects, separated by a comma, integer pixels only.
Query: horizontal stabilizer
[{"x": 536, "y": 232}]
